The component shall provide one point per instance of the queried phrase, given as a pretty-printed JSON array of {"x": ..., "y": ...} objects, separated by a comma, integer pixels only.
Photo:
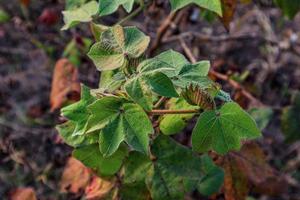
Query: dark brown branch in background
[
  {"x": 221, "y": 76},
  {"x": 162, "y": 29}
]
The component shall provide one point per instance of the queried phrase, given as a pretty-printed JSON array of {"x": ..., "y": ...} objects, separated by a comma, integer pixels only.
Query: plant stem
[
  {"x": 134, "y": 13},
  {"x": 159, "y": 102},
  {"x": 170, "y": 112}
]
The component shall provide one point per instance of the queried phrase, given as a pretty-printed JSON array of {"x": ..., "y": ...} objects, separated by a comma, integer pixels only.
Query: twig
[
  {"x": 222, "y": 38},
  {"x": 162, "y": 30},
  {"x": 134, "y": 13},
  {"x": 224, "y": 77},
  {"x": 170, "y": 112}
]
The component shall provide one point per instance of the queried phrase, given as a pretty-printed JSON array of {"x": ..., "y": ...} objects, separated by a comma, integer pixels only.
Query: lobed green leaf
[
  {"x": 212, "y": 5},
  {"x": 92, "y": 158},
  {"x": 222, "y": 130},
  {"x": 117, "y": 46},
  {"x": 171, "y": 166},
  {"x": 107, "y": 7},
  {"x": 83, "y": 13}
]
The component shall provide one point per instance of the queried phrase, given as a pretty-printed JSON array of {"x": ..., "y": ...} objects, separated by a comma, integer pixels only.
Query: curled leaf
[{"x": 195, "y": 95}]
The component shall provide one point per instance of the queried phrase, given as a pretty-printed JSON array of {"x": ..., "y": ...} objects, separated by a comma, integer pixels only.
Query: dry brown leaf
[
  {"x": 228, "y": 7},
  {"x": 75, "y": 177},
  {"x": 261, "y": 175},
  {"x": 98, "y": 188},
  {"x": 22, "y": 194},
  {"x": 65, "y": 84},
  {"x": 249, "y": 169},
  {"x": 236, "y": 186}
]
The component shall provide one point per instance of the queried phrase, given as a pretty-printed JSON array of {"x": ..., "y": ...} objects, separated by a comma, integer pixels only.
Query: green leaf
[
  {"x": 111, "y": 136},
  {"x": 160, "y": 84},
  {"x": 169, "y": 62},
  {"x": 172, "y": 124},
  {"x": 78, "y": 112},
  {"x": 194, "y": 70},
  {"x": 262, "y": 116},
  {"x": 213, "y": 178},
  {"x": 212, "y": 5},
  {"x": 138, "y": 91},
  {"x": 137, "y": 127},
  {"x": 176, "y": 67},
  {"x": 119, "y": 121},
  {"x": 290, "y": 120},
  {"x": 289, "y": 7},
  {"x": 136, "y": 191},
  {"x": 72, "y": 4},
  {"x": 172, "y": 164},
  {"x": 102, "y": 112},
  {"x": 193, "y": 74},
  {"x": 222, "y": 130},
  {"x": 107, "y": 7},
  {"x": 139, "y": 88},
  {"x": 66, "y": 132},
  {"x": 110, "y": 81},
  {"x": 4, "y": 16},
  {"x": 91, "y": 157},
  {"x": 82, "y": 14},
  {"x": 97, "y": 30},
  {"x": 136, "y": 167},
  {"x": 117, "y": 46}
]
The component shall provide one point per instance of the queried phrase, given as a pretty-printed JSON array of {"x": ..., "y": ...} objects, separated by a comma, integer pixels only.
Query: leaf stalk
[
  {"x": 170, "y": 112},
  {"x": 133, "y": 14}
]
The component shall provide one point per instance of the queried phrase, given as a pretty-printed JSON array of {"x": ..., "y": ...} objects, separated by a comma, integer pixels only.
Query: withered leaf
[
  {"x": 75, "y": 177},
  {"x": 22, "y": 194},
  {"x": 228, "y": 9},
  {"x": 65, "y": 84},
  {"x": 98, "y": 188},
  {"x": 250, "y": 169}
]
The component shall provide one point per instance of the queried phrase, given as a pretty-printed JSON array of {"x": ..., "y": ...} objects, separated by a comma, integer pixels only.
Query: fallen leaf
[
  {"x": 65, "y": 84},
  {"x": 75, "y": 177},
  {"x": 22, "y": 194},
  {"x": 250, "y": 169},
  {"x": 48, "y": 17},
  {"x": 228, "y": 8},
  {"x": 98, "y": 188},
  {"x": 236, "y": 186}
]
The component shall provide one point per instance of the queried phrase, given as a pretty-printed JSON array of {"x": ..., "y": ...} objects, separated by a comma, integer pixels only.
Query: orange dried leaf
[
  {"x": 65, "y": 84},
  {"x": 98, "y": 188},
  {"x": 22, "y": 194},
  {"x": 228, "y": 7},
  {"x": 75, "y": 177}
]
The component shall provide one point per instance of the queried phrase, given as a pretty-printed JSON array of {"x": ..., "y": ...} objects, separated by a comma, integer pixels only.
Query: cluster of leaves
[
  {"x": 85, "y": 10},
  {"x": 111, "y": 128}
]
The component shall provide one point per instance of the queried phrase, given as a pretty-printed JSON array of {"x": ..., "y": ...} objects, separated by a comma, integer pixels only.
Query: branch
[
  {"x": 172, "y": 112},
  {"x": 223, "y": 77},
  {"x": 162, "y": 30}
]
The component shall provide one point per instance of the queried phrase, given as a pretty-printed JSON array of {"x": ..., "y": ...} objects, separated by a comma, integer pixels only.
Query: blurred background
[{"x": 261, "y": 53}]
